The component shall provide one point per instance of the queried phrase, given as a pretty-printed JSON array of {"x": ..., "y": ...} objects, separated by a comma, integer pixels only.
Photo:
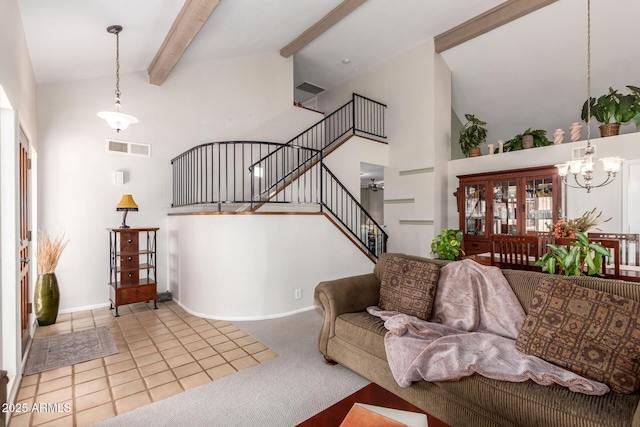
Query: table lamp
[{"x": 126, "y": 204}]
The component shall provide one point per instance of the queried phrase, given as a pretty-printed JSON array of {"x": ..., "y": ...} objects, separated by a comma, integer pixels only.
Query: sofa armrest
[{"x": 346, "y": 295}]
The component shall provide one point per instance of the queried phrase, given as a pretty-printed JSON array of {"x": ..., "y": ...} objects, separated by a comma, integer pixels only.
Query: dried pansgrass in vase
[{"x": 49, "y": 252}]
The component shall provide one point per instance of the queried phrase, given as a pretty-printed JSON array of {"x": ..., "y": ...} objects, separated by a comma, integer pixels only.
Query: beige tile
[
  {"x": 55, "y": 373},
  {"x": 143, "y": 351},
  {"x": 159, "y": 379},
  {"x": 139, "y": 343},
  {"x": 89, "y": 375},
  {"x": 190, "y": 338},
  {"x": 66, "y": 421},
  {"x": 88, "y": 365},
  {"x": 236, "y": 335},
  {"x": 168, "y": 344},
  {"x": 245, "y": 340},
  {"x": 234, "y": 354},
  {"x": 254, "y": 348},
  {"x": 197, "y": 321},
  {"x": 225, "y": 346},
  {"x": 90, "y": 386},
  {"x": 180, "y": 327},
  {"x": 92, "y": 400},
  {"x": 162, "y": 338},
  {"x": 136, "y": 337},
  {"x": 29, "y": 380},
  {"x": 180, "y": 360},
  {"x": 217, "y": 340},
  {"x": 26, "y": 392},
  {"x": 165, "y": 390},
  {"x": 184, "y": 332},
  {"x": 220, "y": 323},
  {"x": 121, "y": 366},
  {"x": 148, "y": 359},
  {"x": 244, "y": 363},
  {"x": 174, "y": 351},
  {"x": 49, "y": 413},
  {"x": 84, "y": 314},
  {"x": 203, "y": 328},
  {"x": 203, "y": 353},
  {"x": 154, "y": 368},
  {"x": 265, "y": 356},
  {"x": 158, "y": 331},
  {"x": 128, "y": 389},
  {"x": 57, "y": 384},
  {"x": 57, "y": 396},
  {"x": 195, "y": 380},
  {"x": 186, "y": 370},
  {"x": 212, "y": 361},
  {"x": 94, "y": 415},
  {"x": 123, "y": 377},
  {"x": 21, "y": 420},
  {"x": 209, "y": 333},
  {"x": 227, "y": 329},
  {"x": 174, "y": 322},
  {"x": 118, "y": 357},
  {"x": 221, "y": 371},
  {"x": 196, "y": 345}
]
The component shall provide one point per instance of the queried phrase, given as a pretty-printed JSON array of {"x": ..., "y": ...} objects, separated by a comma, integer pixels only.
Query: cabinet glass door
[
  {"x": 475, "y": 209},
  {"x": 505, "y": 207},
  {"x": 539, "y": 203}
]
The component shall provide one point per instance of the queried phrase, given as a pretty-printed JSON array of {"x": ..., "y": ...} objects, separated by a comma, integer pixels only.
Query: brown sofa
[{"x": 355, "y": 339}]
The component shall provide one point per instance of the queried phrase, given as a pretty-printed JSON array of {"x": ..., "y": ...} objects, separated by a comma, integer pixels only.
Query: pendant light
[
  {"x": 584, "y": 168},
  {"x": 116, "y": 119}
]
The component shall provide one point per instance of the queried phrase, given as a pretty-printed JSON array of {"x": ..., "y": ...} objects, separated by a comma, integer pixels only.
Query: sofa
[{"x": 353, "y": 338}]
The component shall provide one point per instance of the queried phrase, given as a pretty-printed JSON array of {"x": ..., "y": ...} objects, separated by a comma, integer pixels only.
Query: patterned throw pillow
[
  {"x": 409, "y": 286},
  {"x": 592, "y": 333}
]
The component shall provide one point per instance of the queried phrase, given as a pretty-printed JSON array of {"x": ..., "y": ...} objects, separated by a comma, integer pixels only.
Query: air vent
[
  {"x": 579, "y": 152},
  {"x": 310, "y": 88},
  {"x": 124, "y": 147}
]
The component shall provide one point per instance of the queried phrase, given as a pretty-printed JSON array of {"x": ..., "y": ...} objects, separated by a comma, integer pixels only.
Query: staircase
[{"x": 247, "y": 175}]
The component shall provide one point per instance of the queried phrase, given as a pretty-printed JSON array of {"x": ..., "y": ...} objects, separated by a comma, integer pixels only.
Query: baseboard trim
[{"x": 243, "y": 318}]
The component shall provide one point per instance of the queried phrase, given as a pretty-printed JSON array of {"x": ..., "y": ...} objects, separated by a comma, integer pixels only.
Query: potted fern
[
  {"x": 448, "y": 244},
  {"x": 572, "y": 261},
  {"x": 472, "y": 135},
  {"x": 538, "y": 138}
]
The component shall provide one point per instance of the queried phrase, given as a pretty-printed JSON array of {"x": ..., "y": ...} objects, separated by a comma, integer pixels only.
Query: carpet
[{"x": 57, "y": 351}]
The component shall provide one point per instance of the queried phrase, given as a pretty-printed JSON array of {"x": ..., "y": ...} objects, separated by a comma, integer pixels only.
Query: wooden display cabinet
[
  {"x": 132, "y": 266},
  {"x": 507, "y": 202}
]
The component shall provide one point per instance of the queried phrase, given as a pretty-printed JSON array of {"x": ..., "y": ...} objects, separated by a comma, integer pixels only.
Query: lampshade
[{"x": 127, "y": 204}]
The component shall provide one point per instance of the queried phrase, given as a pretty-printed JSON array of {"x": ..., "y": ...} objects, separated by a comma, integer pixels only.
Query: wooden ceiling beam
[
  {"x": 487, "y": 21},
  {"x": 190, "y": 20},
  {"x": 317, "y": 29}
]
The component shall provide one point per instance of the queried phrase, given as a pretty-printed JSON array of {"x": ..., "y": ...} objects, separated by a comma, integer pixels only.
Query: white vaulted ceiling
[{"x": 528, "y": 73}]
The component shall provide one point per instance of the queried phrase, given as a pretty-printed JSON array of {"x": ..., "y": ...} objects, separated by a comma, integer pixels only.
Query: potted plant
[
  {"x": 571, "y": 262},
  {"x": 612, "y": 109},
  {"x": 636, "y": 91},
  {"x": 47, "y": 294},
  {"x": 448, "y": 244},
  {"x": 538, "y": 138},
  {"x": 472, "y": 135}
]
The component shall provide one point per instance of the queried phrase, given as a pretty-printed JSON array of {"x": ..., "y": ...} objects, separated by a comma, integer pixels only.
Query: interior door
[{"x": 24, "y": 239}]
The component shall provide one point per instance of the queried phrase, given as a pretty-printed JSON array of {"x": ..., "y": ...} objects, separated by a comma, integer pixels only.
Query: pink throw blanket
[{"x": 475, "y": 321}]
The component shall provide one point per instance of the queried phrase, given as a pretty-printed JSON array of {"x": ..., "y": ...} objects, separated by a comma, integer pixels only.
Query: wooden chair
[
  {"x": 517, "y": 252},
  {"x": 626, "y": 241},
  {"x": 611, "y": 244},
  {"x": 544, "y": 238}
]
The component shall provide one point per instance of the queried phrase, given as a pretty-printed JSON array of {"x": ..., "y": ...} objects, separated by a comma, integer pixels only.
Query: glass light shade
[
  {"x": 575, "y": 166},
  {"x": 612, "y": 164},
  {"x": 117, "y": 120},
  {"x": 563, "y": 169}
]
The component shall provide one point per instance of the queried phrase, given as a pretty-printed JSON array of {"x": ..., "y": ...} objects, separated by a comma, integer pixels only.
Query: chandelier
[
  {"x": 584, "y": 167},
  {"x": 116, "y": 119},
  {"x": 375, "y": 187}
]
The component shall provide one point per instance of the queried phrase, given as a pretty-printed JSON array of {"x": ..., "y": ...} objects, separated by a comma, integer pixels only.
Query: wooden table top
[{"x": 372, "y": 394}]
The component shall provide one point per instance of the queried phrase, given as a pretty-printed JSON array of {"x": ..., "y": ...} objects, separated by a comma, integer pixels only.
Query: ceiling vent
[
  {"x": 124, "y": 147},
  {"x": 310, "y": 88}
]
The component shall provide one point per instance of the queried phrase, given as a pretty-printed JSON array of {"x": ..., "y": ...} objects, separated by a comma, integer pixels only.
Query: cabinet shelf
[{"x": 132, "y": 272}]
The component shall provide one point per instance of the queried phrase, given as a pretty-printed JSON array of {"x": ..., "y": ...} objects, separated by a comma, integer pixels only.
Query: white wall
[
  {"x": 263, "y": 260},
  {"x": 17, "y": 107},
  {"x": 241, "y": 98},
  {"x": 608, "y": 199},
  {"x": 416, "y": 87}
]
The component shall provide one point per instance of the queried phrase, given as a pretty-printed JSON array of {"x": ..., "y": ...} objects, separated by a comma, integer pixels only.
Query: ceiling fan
[{"x": 375, "y": 187}]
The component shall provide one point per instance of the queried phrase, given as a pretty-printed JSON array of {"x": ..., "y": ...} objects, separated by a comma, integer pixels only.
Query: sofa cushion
[
  {"x": 593, "y": 333},
  {"x": 363, "y": 331},
  {"x": 408, "y": 286}
]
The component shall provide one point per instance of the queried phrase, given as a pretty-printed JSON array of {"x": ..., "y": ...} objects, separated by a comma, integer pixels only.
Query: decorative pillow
[
  {"x": 592, "y": 333},
  {"x": 409, "y": 286}
]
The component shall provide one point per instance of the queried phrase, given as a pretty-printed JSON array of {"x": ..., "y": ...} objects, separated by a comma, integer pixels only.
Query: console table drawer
[{"x": 129, "y": 295}]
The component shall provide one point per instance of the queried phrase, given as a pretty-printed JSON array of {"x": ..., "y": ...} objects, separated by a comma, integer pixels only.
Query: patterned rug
[{"x": 57, "y": 351}]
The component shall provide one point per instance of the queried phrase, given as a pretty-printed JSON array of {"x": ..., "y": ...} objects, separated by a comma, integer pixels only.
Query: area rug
[{"x": 62, "y": 350}]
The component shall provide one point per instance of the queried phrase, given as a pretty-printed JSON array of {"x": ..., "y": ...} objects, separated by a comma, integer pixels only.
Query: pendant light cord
[{"x": 118, "y": 65}]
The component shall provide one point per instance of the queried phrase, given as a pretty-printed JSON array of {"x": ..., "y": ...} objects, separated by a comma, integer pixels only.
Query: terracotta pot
[
  {"x": 475, "y": 152},
  {"x": 609, "y": 129}
]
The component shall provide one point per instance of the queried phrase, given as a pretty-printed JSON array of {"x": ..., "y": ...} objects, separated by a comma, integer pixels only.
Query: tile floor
[{"x": 160, "y": 353}]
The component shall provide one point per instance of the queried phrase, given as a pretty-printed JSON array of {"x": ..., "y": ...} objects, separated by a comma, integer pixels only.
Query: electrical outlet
[{"x": 298, "y": 294}]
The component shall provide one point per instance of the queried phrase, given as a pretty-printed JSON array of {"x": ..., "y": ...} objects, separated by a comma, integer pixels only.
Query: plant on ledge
[
  {"x": 539, "y": 140},
  {"x": 472, "y": 135},
  {"x": 571, "y": 262},
  {"x": 612, "y": 109},
  {"x": 448, "y": 244}
]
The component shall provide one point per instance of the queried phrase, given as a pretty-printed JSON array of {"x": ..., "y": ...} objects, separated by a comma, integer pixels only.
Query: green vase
[{"x": 47, "y": 299}]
